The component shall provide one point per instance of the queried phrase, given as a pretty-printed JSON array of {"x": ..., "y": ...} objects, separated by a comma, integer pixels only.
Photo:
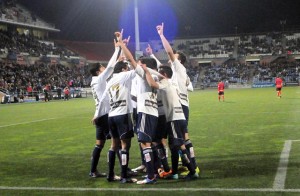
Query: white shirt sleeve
[
  {"x": 190, "y": 85},
  {"x": 111, "y": 64},
  {"x": 157, "y": 61}
]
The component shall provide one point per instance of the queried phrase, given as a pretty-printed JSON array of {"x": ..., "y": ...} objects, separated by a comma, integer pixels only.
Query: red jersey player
[
  {"x": 221, "y": 88},
  {"x": 278, "y": 84}
]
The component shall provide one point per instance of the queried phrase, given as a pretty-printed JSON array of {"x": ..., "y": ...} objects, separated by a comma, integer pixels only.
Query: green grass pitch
[{"x": 238, "y": 144}]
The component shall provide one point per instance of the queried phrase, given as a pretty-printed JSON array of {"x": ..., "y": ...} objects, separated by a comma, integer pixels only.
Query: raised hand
[
  {"x": 160, "y": 29},
  {"x": 126, "y": 41},
  {"x": 119, "y": 35},
  {"x": 149, "y": 50}
]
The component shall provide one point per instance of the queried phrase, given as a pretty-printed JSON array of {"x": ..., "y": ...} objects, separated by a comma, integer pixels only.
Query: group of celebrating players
[{"x": 145, "y": 98}]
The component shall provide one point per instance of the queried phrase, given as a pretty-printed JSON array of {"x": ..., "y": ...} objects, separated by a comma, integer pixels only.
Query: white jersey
[
  {"x": 98, "y": 86},
  {"x": 180, "y": 77},
  {"x": 118, "y": 89},
  {"x": 146, "y": 95},
  {"x": 171, "y": 103}
]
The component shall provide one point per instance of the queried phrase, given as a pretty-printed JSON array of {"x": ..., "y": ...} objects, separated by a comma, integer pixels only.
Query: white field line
[
  {"x": 280, "y": 177},
  {"x": 154, "y": 189},
  {"x": 245, "y": 113},
  {"x": 26, "y": 122}
]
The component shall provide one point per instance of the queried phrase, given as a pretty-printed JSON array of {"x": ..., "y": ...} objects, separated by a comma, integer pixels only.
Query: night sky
[{"x": 96, "y": 20}]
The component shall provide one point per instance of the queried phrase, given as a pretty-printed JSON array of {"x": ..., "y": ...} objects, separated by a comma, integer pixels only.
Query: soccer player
[
  {"x": 175, "y": 118},
  {"x": 181, "y": 79},
  {"x": 147, "y": 118},
  {"x": 100, "y": 74},
  {"x": 142, "y": 167},
  {"x": 160, "y": 144},
  {"x": 221, "y": 88},
  {"x": 278, "y": 84},
  {"x": 119, "y": 117},
  {"x": 147, "y": 114}
]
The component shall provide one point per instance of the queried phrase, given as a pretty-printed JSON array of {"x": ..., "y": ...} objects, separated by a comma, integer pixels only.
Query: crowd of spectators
[
  {"x": 273, "y": 43},
  {"x": 288, "y": 71},
  {"x": 7, "y": 9},
  {"x": 270, "y": 43},
  {"x": 27, "y": 80},
  {"x": 10, "y": 10},
  {"x": 214, "y": 46},
  {"x": 230, "y": 73},
  {"x": 13, "y": 43}
]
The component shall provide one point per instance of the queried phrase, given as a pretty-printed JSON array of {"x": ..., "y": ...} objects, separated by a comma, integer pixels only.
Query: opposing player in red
[
  {"x": 278, "y": 84},
  {"x": 221, "y": 88}
]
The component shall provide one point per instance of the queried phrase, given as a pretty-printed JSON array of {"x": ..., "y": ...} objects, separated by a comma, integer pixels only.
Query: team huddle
[{"x": 145, "y": 98}]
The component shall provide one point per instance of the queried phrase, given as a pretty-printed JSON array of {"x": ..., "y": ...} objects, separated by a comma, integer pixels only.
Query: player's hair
[
  {"x": 181, "y": 56},
  {"x": 94, "y": 68},
  {"x": 166, "y": 70},
  {"x": 141, "y": 57},
  {"x": 120, "y": 66},
  {"x": 150, "y": 62}
]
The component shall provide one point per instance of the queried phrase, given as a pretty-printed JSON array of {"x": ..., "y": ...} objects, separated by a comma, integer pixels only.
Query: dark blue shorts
[
  {"x": 146, "y": 127},
  {"x": 120, "y": 126},
  {"x": 176, "y": 131},
  {"x": 102, "y": 129},
  {"x": 186, "y": 112},
  {"x": 161, "y": 130}
]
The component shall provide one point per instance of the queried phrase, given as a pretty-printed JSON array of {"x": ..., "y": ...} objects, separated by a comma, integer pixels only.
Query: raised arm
[
  {"x": 166, "y": 44},
  {"x": 122, "y": 57},
  {"x": 150, "y": 53},
  {"x": 149, "y": 78},
  {"x": 127, "y": 53},
  {"x": 113, "y": 60}
]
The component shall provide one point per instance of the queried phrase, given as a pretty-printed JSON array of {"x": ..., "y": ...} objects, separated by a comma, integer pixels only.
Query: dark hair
[
  {"x": 120, "y": 66},
  {"x": 141, "y": 57},
  {"x": 94, "y": 68},
  {"x": 181, "y": 57},
  {"x": 150, "y": 62},
  {"x": 166, "y": 70}
]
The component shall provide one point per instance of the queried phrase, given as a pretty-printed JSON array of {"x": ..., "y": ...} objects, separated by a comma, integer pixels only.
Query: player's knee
[{"x": 99, "y": 146}]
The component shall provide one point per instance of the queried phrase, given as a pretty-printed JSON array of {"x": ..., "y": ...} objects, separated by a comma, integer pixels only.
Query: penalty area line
[
  {"x": 27, "y": 122},
  {"x": 155, "y": 189}
]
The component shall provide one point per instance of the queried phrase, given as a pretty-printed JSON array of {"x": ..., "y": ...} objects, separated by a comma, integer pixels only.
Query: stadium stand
[{"x": 29, "y": 57}]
